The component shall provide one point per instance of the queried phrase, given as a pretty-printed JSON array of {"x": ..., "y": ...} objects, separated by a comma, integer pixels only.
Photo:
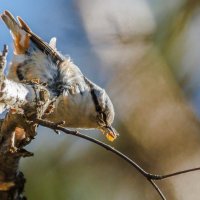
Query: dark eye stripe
[
  {"x": 95, "y": 100},
  {"x": 104, "y": 118},
  {"x": 97, "y": 106}
]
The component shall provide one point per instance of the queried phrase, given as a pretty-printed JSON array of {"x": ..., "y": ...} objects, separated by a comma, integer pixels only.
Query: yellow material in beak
[
  {"x": 111, "y": 137},
  {"x": 111, "y": 133}
]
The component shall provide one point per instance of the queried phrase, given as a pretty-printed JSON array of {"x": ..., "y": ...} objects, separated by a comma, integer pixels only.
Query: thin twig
[
  {"x": 161, "y": 177},
  {"x": 157, "y": 189},
  {"x": 150, "y": 177},
  {"x": 55, "y": 126},
  {"x": 5, "y": 50}
]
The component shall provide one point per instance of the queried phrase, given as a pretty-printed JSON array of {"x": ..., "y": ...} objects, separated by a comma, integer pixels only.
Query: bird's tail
[
  {"x": 20, "y": 37},
  {"x": 49, "y": 49}
]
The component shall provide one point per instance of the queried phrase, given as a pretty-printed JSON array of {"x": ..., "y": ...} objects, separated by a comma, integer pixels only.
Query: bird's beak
[{"x": 110, "y": 132}]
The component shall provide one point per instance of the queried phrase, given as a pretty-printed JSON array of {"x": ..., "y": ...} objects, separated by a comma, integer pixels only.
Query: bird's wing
[
  {"x": 70, "y": 75},
  {"x": 33, "y": 58},
  {"x": 45, "y": 64},
  {"x": 48, "y": 49}
]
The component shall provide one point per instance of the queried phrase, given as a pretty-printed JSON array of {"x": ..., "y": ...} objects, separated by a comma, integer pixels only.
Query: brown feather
[{"x": 20, "y": 38}]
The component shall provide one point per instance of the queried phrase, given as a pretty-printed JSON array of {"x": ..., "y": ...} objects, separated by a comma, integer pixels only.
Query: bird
[{"x": 81, "y": 103}]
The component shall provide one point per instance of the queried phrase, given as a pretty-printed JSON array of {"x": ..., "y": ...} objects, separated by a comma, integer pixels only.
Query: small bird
[{"x": 79, "y": 102}]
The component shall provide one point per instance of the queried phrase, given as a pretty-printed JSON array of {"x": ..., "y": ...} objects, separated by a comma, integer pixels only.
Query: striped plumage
[{"x": 80, "y": 102}]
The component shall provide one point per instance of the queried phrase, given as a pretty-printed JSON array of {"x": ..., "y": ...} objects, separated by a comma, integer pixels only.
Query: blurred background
[{"x": 146, "y": 54}]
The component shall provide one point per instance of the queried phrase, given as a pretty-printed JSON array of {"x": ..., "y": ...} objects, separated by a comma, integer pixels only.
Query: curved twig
[
  {"x": 150, "y": 177},
  {"x": 157, "y": 189}
]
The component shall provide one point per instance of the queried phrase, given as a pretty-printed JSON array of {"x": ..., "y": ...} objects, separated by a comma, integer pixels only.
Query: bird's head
[{"x": 104, "y": 113}]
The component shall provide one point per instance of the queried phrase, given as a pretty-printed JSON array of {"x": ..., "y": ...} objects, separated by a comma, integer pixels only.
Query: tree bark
[{"x": 27, "y": 102}]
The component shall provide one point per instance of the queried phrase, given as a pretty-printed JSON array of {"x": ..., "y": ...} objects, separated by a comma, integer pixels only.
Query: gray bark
[{"x": 26, "y": 103}]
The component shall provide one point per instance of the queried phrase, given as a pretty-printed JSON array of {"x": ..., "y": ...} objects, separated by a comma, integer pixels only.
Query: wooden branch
[
  {"x": 26, "y": 102},
  {"x": 150, "y": 177}
]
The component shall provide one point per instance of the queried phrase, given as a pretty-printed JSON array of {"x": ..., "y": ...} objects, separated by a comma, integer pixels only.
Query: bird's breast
[{"x": 77, "y": 110}]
